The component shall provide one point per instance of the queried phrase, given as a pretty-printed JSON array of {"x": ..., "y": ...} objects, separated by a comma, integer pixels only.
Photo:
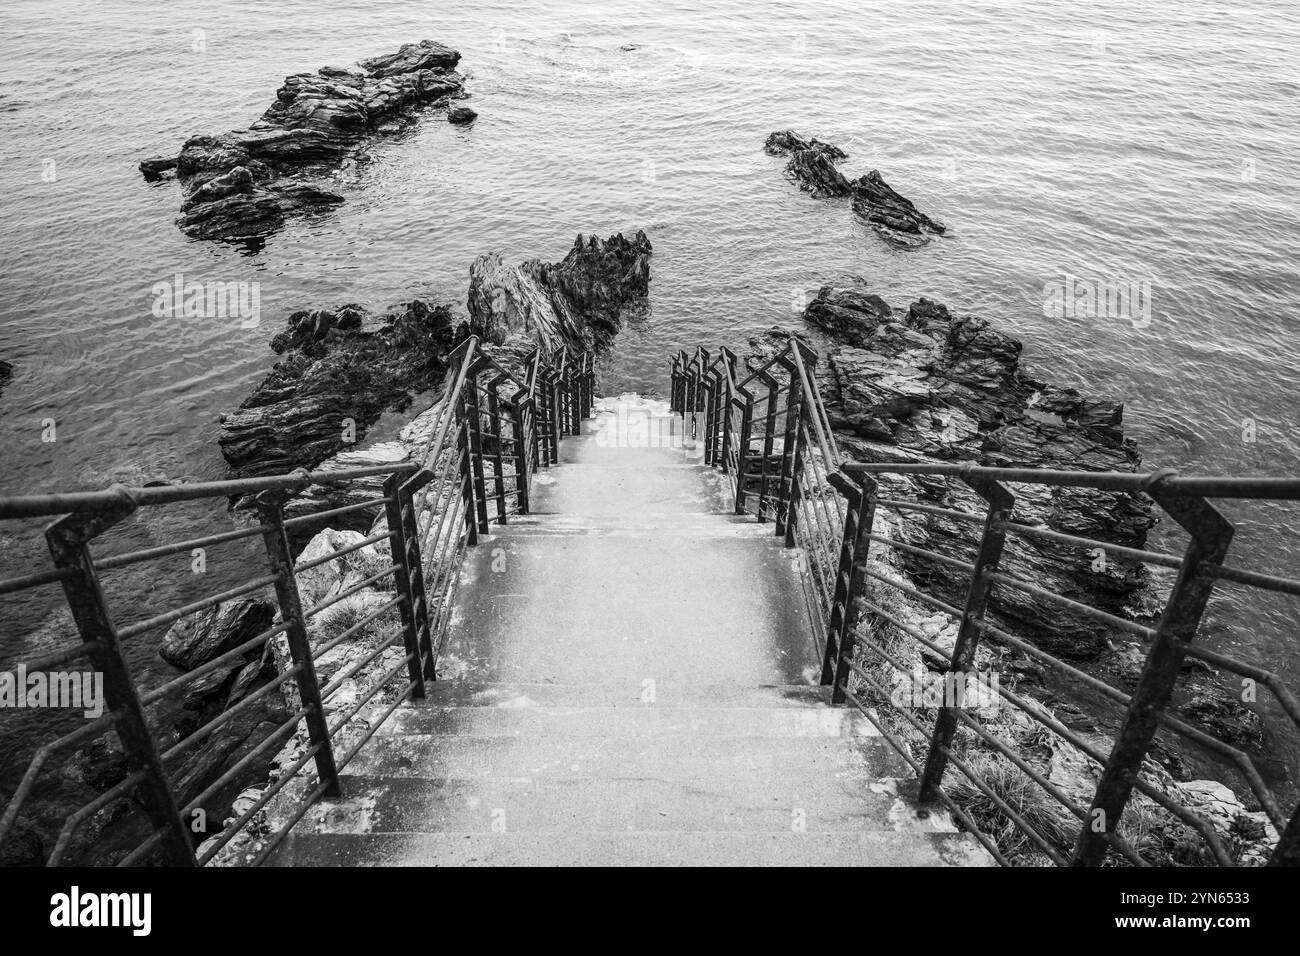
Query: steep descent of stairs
[{"x": 628, "y": 681}]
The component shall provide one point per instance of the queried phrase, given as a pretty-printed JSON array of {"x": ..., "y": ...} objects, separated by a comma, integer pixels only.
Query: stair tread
[{"x": 870, "y": 848}]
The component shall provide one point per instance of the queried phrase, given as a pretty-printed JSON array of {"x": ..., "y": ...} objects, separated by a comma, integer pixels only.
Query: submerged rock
[
  {"x": 246, "y": 184},
  {"x": 578, "y": 301},
  {"x": 6, "y": 374},
  {"x": 812, "y": 166},
  {"x": 893, "y": 217},
  {"x": 341, "y": 370},
  {"x": 461, "y": 115}
]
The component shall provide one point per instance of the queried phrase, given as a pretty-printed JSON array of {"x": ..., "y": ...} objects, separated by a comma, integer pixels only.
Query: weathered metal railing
[
  {"x": 492, "y": 429},
  {"x": 770, "y": 431}
]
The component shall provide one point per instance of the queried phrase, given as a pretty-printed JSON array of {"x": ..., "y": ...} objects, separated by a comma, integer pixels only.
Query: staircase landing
[{"x": 629, "y": 680}]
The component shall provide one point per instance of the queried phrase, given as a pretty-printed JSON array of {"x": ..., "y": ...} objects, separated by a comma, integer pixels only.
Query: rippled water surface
[{"x": 1084, "y": 138}]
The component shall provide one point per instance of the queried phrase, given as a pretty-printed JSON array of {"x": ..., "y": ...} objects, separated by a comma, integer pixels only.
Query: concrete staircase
[{"x": 630, "y": 680}]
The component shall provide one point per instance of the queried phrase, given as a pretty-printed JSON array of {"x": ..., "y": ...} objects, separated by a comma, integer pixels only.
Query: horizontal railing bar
[
  {"x": 142, "y": 850},
  {"x": 267, "y": 795},
  {"x": 913, "y": 592},
  {"x": 135, "y": 557},
  {"x": 356, "y": 546},
  {"x": 51, "y": 661},
  {"x": 343, "y": 595},
  {"x": 279, "y": 733},
  {"x": 1138, "y": 554},
  {"x": 228, "y": 658},
  {"x": 318, "y": 516},
  {"x": 922, "y": 552},
  {"x": 171, "y": 616},
  {"x": 355, "y": 628},
  {"x": 1086, "y": 610},
  {"x": 341, "y": 678},
  {"x": 27, "y": 506},
  {"x": 898, "y": 505},
  {"x": 24, "y": 581},
  {"x": 1167, "y": 481},
  {"x": 202, "y": 733}
]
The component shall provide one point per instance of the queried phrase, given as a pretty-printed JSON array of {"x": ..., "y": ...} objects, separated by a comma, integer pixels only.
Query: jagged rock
[
  {"x": 812, "y": 165},
  {"x": 787, "y": 141},
  {"x": 578, "y": 301},
  {"x": 815, "y": 172},
  {"x": 924, "y": 385},
  {"x": 893, "y": 217},
  {"x": 193, "y": 641},
  {"x": 338, "y": 365},
  {"x": 244, "y": 185},
  {"x": 461, "y": 115}
]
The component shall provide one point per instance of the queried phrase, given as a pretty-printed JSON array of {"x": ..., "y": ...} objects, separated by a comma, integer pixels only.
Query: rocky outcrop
[
  {"x": 245, "y": 184},
  {"x": 925, "y": 385},
  {"x": 812, "y": 165},
  {"x": 921, "y": 384},
  {"x": 893, "y": 217},
  {"x": 340, "y": 371},
  {"x": 578, "y": 302}
]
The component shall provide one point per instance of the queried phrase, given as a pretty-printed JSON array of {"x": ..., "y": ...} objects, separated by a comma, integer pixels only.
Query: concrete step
[
  {"x": 373, "y": 804},
  {"x": 636, "y": 694},
  {"x": 592, "y": 609},
  {"x": 681, "y": 757},
  {"x": 870, "y": 848},
  {"x": 527, "y": 718},
  {"x": 640, "y": 524}
]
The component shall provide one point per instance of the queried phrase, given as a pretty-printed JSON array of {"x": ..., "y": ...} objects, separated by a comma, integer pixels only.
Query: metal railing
[
  {"x": 492, "y": 429},
  {"x": 769, "y": 430}
]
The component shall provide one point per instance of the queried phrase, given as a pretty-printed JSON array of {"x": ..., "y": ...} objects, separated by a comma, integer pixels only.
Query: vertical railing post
[
  {"x": 801, "y": 452},
  {"x": 270, "y": 510},
  {"x": 518, "y": 405},
  {"x": 743, "y": 452},
  {"x": 415, "y": 564},
  {"x": 793, "y": 415},
  {"x": 985, "y": 567},
  {"x": 474, "y": 418},
  {"x": 69, "y": 540},
  {"x": 1211, "y": 536},
  {"x": 498, "y": 441},
  {"x": 467, "y": 479},
  {"x": 402, "y": 579},
  {"x": 728, "y": 400},
  {"x": 769, "y": 442},
  {"x": 850, "y": 579}
]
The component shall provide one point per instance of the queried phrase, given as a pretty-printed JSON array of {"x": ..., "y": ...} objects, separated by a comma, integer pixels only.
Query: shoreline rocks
[
  {"x": 341, "y": 370},
  {"x": 578, "y": 302},
  {"x": 812, "y": 166},
  {"x": 244, "y": 185},
  {"x": 925, "y": 385}
]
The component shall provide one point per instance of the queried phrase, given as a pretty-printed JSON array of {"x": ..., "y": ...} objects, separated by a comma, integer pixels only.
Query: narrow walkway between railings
[{"x": 630, "y": 679}]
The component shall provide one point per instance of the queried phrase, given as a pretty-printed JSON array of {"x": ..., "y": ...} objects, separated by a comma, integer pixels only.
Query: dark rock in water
[
  {"x": 6, "y": 374},
  {"x": 812, "y": 165},
  {"x": 341, "y": 370},
  {"x": 814, "y": 170},
  {"x": 160, "y": 167},
  {"x": 193, "y": 641},
  {"x": 787, "y": 141},
  {"x": 893, "y": 217},
  {"x": 924, "y": 385},
  {"x": 461, "y": 115},
  {"x": 246, "y": 184},
  {"x": 578, "y": 301}
]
